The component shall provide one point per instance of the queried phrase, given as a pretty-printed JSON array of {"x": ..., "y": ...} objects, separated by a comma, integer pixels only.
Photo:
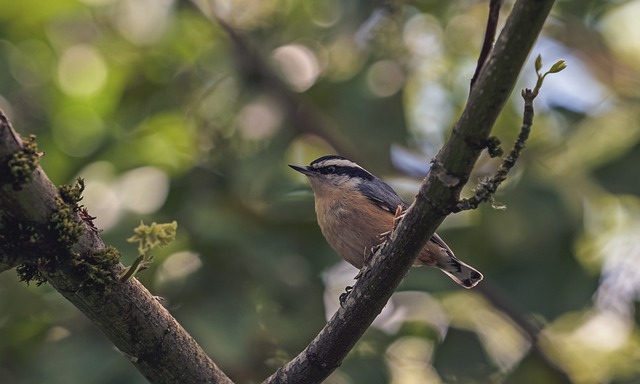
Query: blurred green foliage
[{"x": 151, "y": 104}]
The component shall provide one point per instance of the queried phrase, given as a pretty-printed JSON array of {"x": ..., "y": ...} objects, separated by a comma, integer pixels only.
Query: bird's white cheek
[{"x": 318, "y": 186}]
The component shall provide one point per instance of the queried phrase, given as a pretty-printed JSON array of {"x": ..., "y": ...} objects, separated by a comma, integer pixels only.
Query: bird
[{"x": 354, "y": 207}]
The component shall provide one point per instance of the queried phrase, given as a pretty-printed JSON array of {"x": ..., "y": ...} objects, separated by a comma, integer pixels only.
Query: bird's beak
[{"x": 304, "y": 170}]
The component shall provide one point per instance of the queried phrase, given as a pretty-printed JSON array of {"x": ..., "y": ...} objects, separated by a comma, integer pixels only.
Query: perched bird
[{"x": 354, "y": 208}]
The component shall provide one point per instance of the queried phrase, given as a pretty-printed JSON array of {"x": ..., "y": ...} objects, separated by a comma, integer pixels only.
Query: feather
[{"x": 382, "y": 195}]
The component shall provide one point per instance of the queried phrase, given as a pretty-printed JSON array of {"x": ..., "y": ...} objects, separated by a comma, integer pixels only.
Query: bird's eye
[{"x": 331, "y": 169}]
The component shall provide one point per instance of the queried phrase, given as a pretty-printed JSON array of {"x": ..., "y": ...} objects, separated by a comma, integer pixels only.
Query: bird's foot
[
  {"x": 368, "y": 255},
  {"x": 399, "y": 215},
  {"x": 345, "y": 295},
  {"x": 384, "y": 236}
]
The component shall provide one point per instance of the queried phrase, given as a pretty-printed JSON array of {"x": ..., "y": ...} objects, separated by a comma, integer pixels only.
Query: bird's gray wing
[{"x": 382, "y": 195}]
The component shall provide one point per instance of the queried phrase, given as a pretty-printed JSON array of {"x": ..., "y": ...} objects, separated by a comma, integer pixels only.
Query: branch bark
[
  {"x": 141, "y": 328},
  {"x": 489, "y": 37},
  {"x": 436, "y": 199},
  {"x": 162, "y": 350}
]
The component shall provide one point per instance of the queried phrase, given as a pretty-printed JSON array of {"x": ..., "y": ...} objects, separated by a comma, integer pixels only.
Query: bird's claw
[
  {"x": 384, "y": 235},
  {"x": 399, "y": 215},
  {"x": 345, "y": 295}
]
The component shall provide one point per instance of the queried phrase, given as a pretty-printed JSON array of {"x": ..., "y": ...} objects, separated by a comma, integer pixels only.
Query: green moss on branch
[
  {"x": 95, "y": 269},
  {"x": 21, "y": 164},
  {"x": 54, "y": 248}
]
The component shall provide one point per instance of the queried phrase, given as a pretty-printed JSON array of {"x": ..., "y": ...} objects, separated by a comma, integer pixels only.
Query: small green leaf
[{"x": 558, "y": 66}]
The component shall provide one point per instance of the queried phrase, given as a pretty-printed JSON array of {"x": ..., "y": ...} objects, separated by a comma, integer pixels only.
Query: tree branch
[
  {"x": 436, "y": 198},
  {"x": 160, "y": 348},
  {"x": 489, "y": 37},
  {"x": 141, "y": 328},
  {"x": 487, "y": 188}
]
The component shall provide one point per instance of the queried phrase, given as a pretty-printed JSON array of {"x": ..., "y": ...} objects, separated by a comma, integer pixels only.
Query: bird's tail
[
  {"x": 438, "y": 254},
  {"x": 460, "y": 272}
]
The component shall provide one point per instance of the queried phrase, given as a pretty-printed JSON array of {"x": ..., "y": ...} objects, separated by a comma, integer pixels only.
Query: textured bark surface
[
  {"x": 436, "y": 199},
  {"x": 137, "y": 324},
  {"x": 161, "y": 349}
]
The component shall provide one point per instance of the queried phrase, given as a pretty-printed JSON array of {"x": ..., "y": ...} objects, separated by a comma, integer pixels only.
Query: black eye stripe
[{"x": 345, "y": 170}]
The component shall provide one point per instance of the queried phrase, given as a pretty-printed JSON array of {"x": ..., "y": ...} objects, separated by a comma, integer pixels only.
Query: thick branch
[
  {"x": 26, "y": 205},
  {"x": 435, "y": 200},
  {"x": 126, "y": 313}
]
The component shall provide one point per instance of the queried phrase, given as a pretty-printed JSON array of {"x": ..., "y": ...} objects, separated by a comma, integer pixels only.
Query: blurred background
[{"x": 167, "y": 119}]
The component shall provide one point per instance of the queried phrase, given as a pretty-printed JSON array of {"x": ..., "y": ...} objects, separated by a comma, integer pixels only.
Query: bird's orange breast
[{"x": 352, "y": 225}]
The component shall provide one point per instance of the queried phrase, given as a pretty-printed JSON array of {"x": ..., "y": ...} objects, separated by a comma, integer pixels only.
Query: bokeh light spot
[
  {"x": 143, "y": 21},
  {"x": 423, "y": 36},
  {"x": 178, "y": 266},
  {"x": 385, "y": 78},
  {"x": 143, "y": 190},
  {"x": 99, "y": 195},
  {"x": 243, "y": 14},
  {"x": 298, "y": 65},
  {"x": 621, "y": 30},
  {"x": 407, "y": 359},
  {"x": 344, "y": 60},
  {"x": 259, "y": 120},
  {"x": 82, "y": 70},
  {"x": 324, "y": 13}
]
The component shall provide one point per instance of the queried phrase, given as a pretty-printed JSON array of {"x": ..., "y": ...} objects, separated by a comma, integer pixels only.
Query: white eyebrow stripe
[{"x": 337, "y": 163}]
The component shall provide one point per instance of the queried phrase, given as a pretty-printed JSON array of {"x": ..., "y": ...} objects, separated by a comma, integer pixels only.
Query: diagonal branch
[
  {"x": 160, "y": 348},
  {"x": 489, "y": 37},
  {"x": 436, "y": 199},
  {"x": 141, "y": 328}
]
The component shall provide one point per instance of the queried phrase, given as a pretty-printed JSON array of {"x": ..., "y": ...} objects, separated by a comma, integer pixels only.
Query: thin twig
[
  {"x": 435, "y": 199},
  {"x": 487, "y": 188},
  {"x": 489, "y": 37}
]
